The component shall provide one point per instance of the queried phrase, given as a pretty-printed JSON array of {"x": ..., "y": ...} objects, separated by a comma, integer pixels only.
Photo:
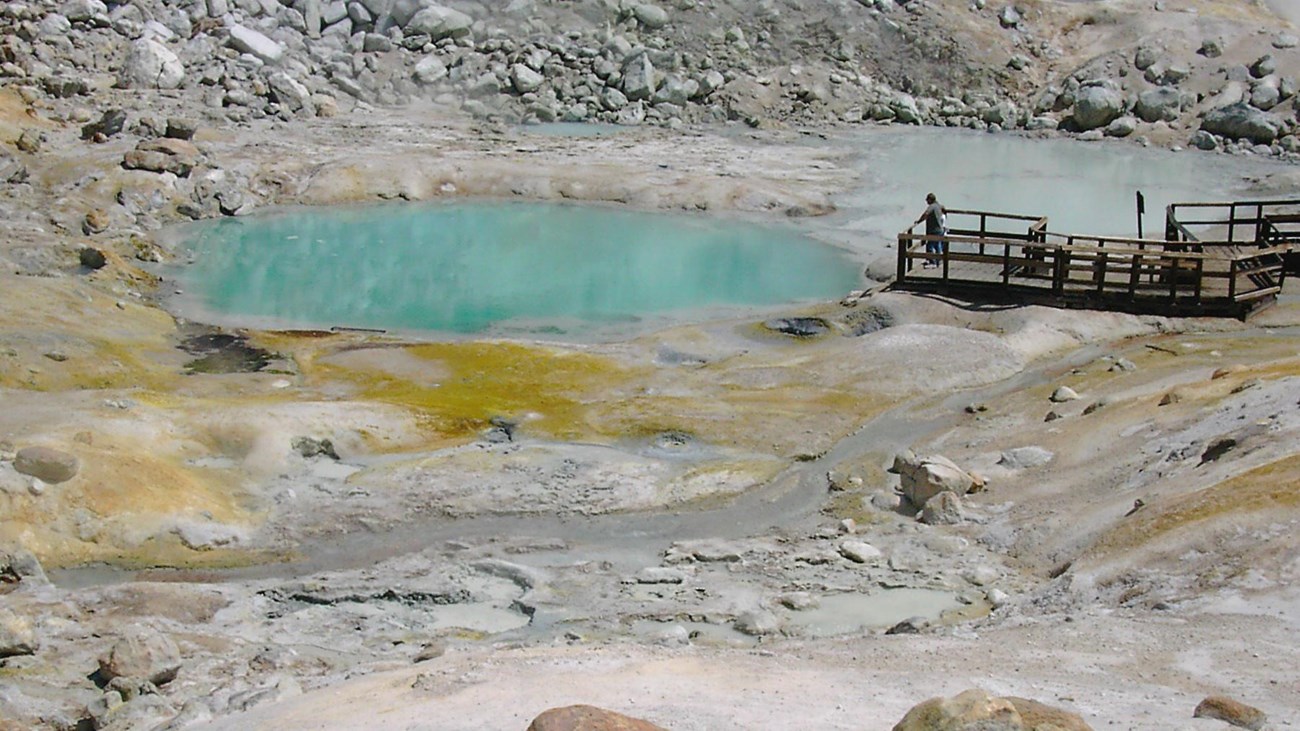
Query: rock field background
[{"x": 227, "y": 529}]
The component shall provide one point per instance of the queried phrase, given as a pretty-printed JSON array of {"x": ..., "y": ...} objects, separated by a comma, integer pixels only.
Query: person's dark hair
[{"x": 930, "y": 198}]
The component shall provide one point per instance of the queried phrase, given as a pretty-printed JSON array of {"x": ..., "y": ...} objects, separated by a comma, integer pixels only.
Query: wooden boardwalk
[{"x": 1225, "y": 259}]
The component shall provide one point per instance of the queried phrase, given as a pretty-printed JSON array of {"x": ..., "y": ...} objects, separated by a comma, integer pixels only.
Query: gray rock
[
  {"x": 439, "y": 22},
  {"x": 1022, "y": 458},
  {"x": 79, "y": 11},
  {"x": 151, "y": 65},
  {"x": 1146, "y": 57},
  {"x": 360, "y": 15},
  {"x": 430, "y": 70},
  {"x": 909, "y": 626},
  {"x": 524, "y": 79},
  {"x": 1063, "y": 394},
  {"x": 376, "y": 43},
  {"x": 660, "y": 575},
  {"x": 650, "y": 16},
  {"x": 247, "y": 40},
  {"x": 142, "y": 653},
  {"x": 1096, "y": 107},
  {"x": 904, "y": 109},
  {"x": 612, "y": 99},
  {"x": 17, "y": 636},
  {"x": 47, "y": 464},
  {"x": 53, "y": 25},
  {"x": 22, "y": 568},
  {"x": 1162, "y": 104},
  {"x": 1242, "y": 121},
  {"x": 312, "y": 18},
  {"x": 92, "y": 258},
  {"x": 289, "y": 92},
  {"x": 674, "y": 90},
  {"x": 1041, "y": 123},
  {"x": 944, "y": 508},
  {"x": 711, "y": 81},
  {"x": 1122, "y": 127},
  {"x": 180, "y": 129},
  {"x": 639, "y": 78},
  {"x": 1263, "y": 66},
  {"x": 758, "y": 622},
  {"x": 859, "y": 551},
  {"x": 309, "y": 447},
  {"x": 1285, "y": 40},
  {"x": 798, "y": 601},
  {"x": 1203, "y": 140},
  {"x": 1211, "y": 48},
  {"x": 1265, "y": 97},
  {"x": 1009, "y": 17},
  {"x": 332, "y": 12}
]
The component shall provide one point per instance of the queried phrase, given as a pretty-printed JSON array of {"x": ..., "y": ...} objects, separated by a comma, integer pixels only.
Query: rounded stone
[{"x": 47, "y": 464}]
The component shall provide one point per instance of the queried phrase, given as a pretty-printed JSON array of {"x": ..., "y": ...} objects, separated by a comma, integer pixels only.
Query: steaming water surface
[{"x": 515, "y": 267}]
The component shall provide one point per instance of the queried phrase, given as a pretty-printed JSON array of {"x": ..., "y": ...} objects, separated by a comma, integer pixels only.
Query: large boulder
[
  {"x": 1096, "y": 106},
  {"x": 430, "y": 70},
  {"x": 1159, "y": 104},
  {"x": 47, "y": 464},
  {"x": 905, "y": 109},
  {"x": 524, "y": 79},
  {"x": 921, "y": 478},
  {"x": 247, "y": 40},
  {"x": 1242, "y": 121},
  {"x": 438, "y": 22},
  {"x": 151, "y": 65},
  {"x": 976, "y": 710},
  {"x": 588, "y": 718},
  {"x": 651, "y": 16},
  {"x": 639, "y": 81},
  {"x": 141, "y": 653},
  {"x": 289, "y": 92}
]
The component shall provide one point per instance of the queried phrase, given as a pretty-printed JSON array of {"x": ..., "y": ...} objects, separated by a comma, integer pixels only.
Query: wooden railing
[
  {"x": 1018, "y": 257},
  {"x": 1271, "y": 223}
]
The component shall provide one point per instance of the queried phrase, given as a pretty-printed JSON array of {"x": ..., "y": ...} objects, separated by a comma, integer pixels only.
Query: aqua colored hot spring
[{"x": 497, "y": 267}]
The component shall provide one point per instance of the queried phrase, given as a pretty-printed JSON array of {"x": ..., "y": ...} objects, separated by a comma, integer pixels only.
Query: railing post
[
  {"x": 1135, "y": 271},
  {"x": 1099, "y": 272},
  {"x": 1200, "y": 275},
  {"x": 1006, "y": 263},
  {"x": 943, "y": 257},
  {"x": 1059, "y": 269},
  {"x": 902, "y": 258},
  {"x": 1173, "y": 279},
  {"x": 1232, "y": 279}
]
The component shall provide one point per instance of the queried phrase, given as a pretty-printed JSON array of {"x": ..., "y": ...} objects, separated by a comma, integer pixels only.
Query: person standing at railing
[{"x": 936, "y": 218}]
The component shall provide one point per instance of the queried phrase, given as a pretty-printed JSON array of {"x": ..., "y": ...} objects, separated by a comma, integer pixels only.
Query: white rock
[
  {"x": 660, "y": 575},
  {"x": 859, "y": 551},
  {"x": 438, "y": 22},
  {"x": 981, "y": 575},
  {"x": 524, "y": 79},
  {"x": 430, "y": 70},
  {"x": 997, "y": 598},
  {"x": 247, "y": 40},
  {"x": 1022, "y": 458},
  {"x": 1063, "y": 394},
  {"x": 651, "y": 16}
]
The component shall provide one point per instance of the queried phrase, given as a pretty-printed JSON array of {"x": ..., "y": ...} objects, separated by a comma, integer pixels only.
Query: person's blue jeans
[{"x": 933, "y": 247}]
